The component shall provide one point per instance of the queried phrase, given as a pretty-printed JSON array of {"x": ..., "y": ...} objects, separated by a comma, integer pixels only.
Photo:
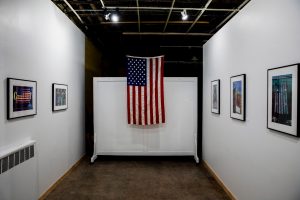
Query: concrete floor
[{"x": 139, "y": 178}]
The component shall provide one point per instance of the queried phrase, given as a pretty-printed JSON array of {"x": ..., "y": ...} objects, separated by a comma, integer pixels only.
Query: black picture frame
[
  {"x": 21, "y": 98},
  {"x": 238, "y": 112},
  {"x": 62, "y": 105},
  {"x": 280, "y": 114},
  {"x": 218, "y": 98}
]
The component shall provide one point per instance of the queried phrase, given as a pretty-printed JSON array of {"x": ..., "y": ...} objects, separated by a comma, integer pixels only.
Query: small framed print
[
  {"x": 238, "y": 97},
  {"x": 21, "y": 98},
  {"x": 59, "y": 97},
  {"x": 215, "y": 96},
  {"x": 283, "y": 99}
]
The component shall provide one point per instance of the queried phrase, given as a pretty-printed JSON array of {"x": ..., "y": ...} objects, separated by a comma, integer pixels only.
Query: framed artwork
[
  {"x": 215, "y": 96},
  {"x": 283, "y": 99},
  {"x": 238, "y": 97},
  {"x": 21, "y": 98},
  {"x": 59, "y": 97}
]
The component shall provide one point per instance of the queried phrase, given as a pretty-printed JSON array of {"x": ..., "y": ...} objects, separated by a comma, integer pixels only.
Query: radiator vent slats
[{"x": 16, "y": 158}]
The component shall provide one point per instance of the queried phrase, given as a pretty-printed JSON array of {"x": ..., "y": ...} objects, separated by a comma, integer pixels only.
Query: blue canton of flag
[{"x": 136, "y": 71}]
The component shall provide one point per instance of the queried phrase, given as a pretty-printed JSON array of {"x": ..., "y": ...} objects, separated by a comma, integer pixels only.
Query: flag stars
[{"x": 136, "y": 74}]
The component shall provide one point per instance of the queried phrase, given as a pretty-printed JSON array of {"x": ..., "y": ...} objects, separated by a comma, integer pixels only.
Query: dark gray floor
[{"x": 135, "y": 178}]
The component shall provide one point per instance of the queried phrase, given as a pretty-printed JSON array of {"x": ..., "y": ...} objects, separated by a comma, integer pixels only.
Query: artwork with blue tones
[
  {"x": 282, "y": 99},
  {"x": 22, "y": 98},
  {"x": 237, "y": 97}
]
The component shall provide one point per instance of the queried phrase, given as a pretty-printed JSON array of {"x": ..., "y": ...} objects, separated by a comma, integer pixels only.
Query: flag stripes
[{"x": 145, "y": 100}]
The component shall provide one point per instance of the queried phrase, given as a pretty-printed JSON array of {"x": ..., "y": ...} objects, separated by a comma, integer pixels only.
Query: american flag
[{"x": 145, "y": 90}]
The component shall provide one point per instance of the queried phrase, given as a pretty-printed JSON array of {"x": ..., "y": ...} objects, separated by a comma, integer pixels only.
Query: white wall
[
  {"x": 254, "y": 162},
  {"x": 38, "y": 42}
]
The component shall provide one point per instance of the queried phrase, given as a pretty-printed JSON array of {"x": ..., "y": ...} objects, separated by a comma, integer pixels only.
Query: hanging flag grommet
[{"x": 145, "y": 90}]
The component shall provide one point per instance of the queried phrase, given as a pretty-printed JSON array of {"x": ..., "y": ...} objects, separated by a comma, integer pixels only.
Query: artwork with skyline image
[
  {"x": 282, "y": 99},
  {"x": 60, "y": 96},
  {"x": 215, "y": 97}
]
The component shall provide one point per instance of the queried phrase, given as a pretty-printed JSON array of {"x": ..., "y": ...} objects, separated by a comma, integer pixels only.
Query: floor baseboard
[
  {"x": 54, "y": 185},
  {"x": 219, "y": 180}
]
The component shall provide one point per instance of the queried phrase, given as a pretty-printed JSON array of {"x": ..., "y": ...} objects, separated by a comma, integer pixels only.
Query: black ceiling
[{"x": 150, "y": 21}]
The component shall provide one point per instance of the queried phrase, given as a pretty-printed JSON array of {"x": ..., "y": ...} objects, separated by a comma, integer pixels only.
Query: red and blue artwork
[
  {"x": 237, "y": 97},
  {"x": 22, "y": 98}
]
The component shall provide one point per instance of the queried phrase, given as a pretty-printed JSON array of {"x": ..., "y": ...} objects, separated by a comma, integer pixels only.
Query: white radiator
[{"x": 18, "y": 171}]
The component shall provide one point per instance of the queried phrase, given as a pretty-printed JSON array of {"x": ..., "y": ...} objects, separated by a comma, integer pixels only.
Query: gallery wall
[
  {"x": 252, "y": 161},
  {"x": 38, "y": 42}
]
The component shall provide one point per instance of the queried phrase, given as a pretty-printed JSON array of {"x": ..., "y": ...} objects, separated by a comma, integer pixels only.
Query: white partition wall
[{"x": 113, "y": 136}]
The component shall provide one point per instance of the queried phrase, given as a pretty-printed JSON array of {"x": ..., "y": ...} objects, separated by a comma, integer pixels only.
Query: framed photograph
[
  {"x": 59, "y": 97},
  {"x": 215, "y": 96},
  {"x": 238, "y": 97},
  {"x": 21, "y": 98},
  {"x": 283, "y": 99}
]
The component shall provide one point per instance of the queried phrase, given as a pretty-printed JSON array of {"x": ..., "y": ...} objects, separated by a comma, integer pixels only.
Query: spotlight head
[
  {"x": 106, "y": 16},
  {"x": 184, "y": 15}
]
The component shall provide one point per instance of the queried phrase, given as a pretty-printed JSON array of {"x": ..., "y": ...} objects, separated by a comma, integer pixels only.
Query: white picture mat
[
  {"x": 232, "y": 80},
  {"x": 59, "y": 86},
  {"x": 217, "y": 83},
  {"x": 14, "y": 82},
  {"x": 276, "y": 126}
]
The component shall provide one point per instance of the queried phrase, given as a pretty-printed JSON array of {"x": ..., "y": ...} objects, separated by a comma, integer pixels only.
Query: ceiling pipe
[
  {"x": 66, "y": 2},
  {"x": 167, "y": 33},
  {"x": 102, "y": 3},
  {"x": 138, "y": 14},
  {"x": 181, "y": 47},
  {"x": 183, "y": 62},
  {"x": 124, "y": 8},
  {"x": 229, "y": 16},
  {"x": 198, "y": 17},
  {"x": 171, "y": 8},
  {"x": 149, "y": 22}
]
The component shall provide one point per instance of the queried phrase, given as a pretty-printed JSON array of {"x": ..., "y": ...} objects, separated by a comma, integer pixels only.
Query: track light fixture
[
  {"x": 106, "y": 16},
  {"x": 112, "y": 16},
  {"x": 184, "y": 15}
]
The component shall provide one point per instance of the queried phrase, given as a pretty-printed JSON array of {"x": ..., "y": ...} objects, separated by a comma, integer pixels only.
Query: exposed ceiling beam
[
  {"x": 138, "y": 14},
  {"x": 182, "y": 62},
  {"x": 170, "y": 12},
  {"x": 99, "y": 16},
  {"x": 102, "y": 3},
  {"x": 181, "y": 47},
  {"x": 147, "y": 22},
  {"x": 124, "y": 8},
  {"x": 66, "y": 2},
  {"x": 229, "y": 16},
  {"x": 200, "y": 14},
  {"x": 167, "y": 33}
]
